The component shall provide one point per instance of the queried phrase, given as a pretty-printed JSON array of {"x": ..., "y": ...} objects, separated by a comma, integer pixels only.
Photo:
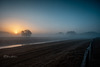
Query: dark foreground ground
[
  {"x": 67, "y": 53},
  {"x": 95, "y": 54}
]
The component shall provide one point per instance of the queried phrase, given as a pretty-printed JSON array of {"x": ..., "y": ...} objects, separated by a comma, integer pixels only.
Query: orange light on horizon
[{"x": 15, "y": 26}]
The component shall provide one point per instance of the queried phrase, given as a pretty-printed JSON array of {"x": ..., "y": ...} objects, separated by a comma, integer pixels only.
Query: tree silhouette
[
  {"x": 60, "y": 33},
  {"x": 71, "y": 32},
  {"x": 26, "y": 33}
]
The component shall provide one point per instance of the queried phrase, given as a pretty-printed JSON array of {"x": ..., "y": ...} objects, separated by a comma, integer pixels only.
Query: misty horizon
[{"x": 68, "y": 35}]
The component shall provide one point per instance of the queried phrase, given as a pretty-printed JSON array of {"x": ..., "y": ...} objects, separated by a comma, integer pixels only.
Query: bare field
[
  {"x": 67, "y": 53},
  {"x": 22, "y": 40}
]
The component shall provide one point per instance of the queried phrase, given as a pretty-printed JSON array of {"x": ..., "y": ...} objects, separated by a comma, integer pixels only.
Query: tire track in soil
[{"x": 44, "y": 56}]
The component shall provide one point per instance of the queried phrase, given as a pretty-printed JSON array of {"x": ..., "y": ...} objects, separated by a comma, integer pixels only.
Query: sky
[{"x": 49, "y": 16}]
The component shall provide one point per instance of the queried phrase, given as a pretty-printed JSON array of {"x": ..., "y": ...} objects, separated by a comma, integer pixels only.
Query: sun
[{"x": 16, "y": 32}]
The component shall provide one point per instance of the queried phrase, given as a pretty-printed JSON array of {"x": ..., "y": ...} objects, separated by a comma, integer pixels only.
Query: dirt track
[{"x": 58, "y": 54}]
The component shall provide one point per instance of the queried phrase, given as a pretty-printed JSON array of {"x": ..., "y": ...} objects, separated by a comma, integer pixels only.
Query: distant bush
[
  {"x": 26, "y": 33},
  {"x": 71, "y": 32}
]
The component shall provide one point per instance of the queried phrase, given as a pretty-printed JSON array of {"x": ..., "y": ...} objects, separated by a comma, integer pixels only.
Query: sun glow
[
  {"x": 15, "y": 26},
  {"x": 16, "y": 32}
]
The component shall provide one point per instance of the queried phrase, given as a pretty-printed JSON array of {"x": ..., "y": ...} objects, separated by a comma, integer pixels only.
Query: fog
[{"x": 56, "y": 35}]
